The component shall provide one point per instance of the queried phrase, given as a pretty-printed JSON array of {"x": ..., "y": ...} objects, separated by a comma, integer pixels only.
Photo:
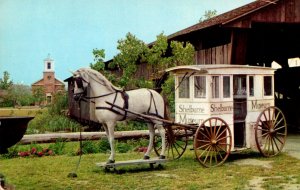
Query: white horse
[{"x": 143, "y": 101}]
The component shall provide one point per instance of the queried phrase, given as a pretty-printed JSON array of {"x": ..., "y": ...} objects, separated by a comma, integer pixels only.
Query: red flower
[
  {"x": 40, "y": 154},
  {"x": 33, "y": 150}
]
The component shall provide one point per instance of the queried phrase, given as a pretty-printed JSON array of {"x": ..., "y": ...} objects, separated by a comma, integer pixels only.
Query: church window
[{"x": 48, "y": 65}]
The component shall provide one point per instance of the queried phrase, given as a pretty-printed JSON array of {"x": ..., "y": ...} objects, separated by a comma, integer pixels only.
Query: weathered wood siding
[
  {"x": 215, "y": 55},
  {"x": 282, "y": 11}
]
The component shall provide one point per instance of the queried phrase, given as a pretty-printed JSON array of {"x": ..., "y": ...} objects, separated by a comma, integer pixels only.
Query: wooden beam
[{"x": 53, "y": 137}]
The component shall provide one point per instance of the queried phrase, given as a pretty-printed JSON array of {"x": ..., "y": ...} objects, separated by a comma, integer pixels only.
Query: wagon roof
[{"x": 222, "y": 69}]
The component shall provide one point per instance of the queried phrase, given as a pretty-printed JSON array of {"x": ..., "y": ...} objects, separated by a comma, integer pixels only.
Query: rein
[
  {"x": 124, "y": 96},
  {"x": 125, "y": 104}
]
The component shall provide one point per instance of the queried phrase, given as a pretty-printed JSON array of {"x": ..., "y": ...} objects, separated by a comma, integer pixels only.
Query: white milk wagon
[
  {"x": 225, "y": 108},
  {"x": 234, "y": 105}
]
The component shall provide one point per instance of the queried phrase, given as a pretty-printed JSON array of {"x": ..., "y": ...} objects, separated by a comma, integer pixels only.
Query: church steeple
[{"x": 48, "y": 64}]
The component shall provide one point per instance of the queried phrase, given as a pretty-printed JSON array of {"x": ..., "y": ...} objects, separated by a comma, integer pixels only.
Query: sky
[{"x": 69, "y": 30}]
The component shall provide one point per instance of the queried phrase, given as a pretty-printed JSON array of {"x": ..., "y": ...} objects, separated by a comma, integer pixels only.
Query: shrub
[
  {"x": 46, "y": 122},
  {"x": 58, "y": 147},
  {"x": 103, "y": 145},
  {"x": 131, "y": 125},
  {"x": 123, "y": 147},
  {"x": 89, "y": 147}
]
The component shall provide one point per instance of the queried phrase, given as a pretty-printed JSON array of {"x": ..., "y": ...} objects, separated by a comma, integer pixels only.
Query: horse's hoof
[
  {"x": 162, "y": 157},
  {"x": 110, "y": 162},
  {"x": 146, "y": 157}
]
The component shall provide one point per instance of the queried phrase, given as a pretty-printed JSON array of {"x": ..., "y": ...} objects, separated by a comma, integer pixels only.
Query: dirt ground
[{"x": 292, "y": 147}]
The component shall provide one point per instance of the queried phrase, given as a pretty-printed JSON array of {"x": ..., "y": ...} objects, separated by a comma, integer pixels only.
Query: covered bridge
[{"x": 255, "y": 34}]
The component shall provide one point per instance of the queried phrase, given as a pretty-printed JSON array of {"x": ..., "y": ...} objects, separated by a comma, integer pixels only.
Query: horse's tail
[{"x": 166, "y": 110}]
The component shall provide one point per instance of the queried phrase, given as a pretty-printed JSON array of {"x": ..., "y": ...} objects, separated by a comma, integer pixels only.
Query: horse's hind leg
[
  {"x": 162, "y": 133},
  {"x": 111, "y": 139},
  {"x": 151, "y": 139}
]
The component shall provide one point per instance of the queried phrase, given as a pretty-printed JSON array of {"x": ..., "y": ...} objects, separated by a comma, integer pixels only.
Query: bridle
[{"x": 83, "y": 94}]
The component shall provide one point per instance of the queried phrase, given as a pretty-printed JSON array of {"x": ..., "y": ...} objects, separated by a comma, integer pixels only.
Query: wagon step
[{"x": 151, "y": 162}]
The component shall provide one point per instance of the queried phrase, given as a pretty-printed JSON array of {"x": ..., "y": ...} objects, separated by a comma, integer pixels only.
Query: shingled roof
[{"x": 226, "y": 17}]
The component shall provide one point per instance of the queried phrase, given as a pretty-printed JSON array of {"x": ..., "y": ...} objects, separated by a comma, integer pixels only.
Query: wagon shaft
[{"x": 149, "y": 117}]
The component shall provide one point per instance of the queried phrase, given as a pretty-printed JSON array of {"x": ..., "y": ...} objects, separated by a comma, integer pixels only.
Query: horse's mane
[{"x": 97, "y": 75}]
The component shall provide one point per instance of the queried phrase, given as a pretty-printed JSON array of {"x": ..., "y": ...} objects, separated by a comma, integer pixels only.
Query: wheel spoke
[
  {"x": 277, "y": 129},
  {"x": 203, "y": 146},
  {"x": 179, "y": 145},
  {"x": 222, "y": 138},
  {"x": 207, "y": 154},
  {"x": 279, "y": 140},
  {"x": 278, "y": 123},
  {"x": 276, "y": 144},
  {"x": 282, "y": 134},
  {"x": 176, "y": 148},
  {"x": 204, "y": 134},
  {"x": 265, "y": 117},
  {"x": 262, "y": 129},
  {"x": 219, "y": 128},
  {"x": 221, "y": 148},
  {"x": 269, "y": 113},
  {"x": 216, "y": 156},
  {"x": 271, "y": 142},
  {"x": 267, "y": 142},
  {"x": 211, "y": 151},
  {"x": 199, "y": 140},
  {"x": 221, "y": 133},
  {"x": 205, "y": 128},
  {"x": 210, "y": 128},
  {"x": 270, "y": 134},
  {"x": 215, "y": 127},
  {"x": 278, "y": 114}
]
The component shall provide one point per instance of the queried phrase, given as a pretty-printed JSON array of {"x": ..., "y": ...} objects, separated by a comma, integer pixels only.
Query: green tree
[
  {"x": 183, "y": 53},
  {"x": 39, "y": 95},
  {"x": 132, "y": 50},
  {"x": 156, "y": 56},
  {"x": 208, "y": 14},
  {"x": 99, "y": 55},
  {"x": 59, "y": 103},
  {"x": 5, "y": 82},
  {"x": 159, "y": 56},
  {"x": 20, "y": 95}
]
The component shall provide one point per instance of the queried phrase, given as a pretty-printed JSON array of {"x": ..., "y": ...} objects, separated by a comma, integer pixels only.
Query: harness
[
  {"x": 114, "y": 108},
  {"x": 125, "y": 97}
]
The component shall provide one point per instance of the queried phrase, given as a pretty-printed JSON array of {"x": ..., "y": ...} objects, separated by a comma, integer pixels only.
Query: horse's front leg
[
  {"x": 111, "y": 139},
  {"x": 151, "y": 139}
]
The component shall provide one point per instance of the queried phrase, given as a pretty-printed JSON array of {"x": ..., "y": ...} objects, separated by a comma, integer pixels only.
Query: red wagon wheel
[
  {"x": 176, "y": 142},
  {"x": 270, "y": 131},
  {"x": 212, "y": 142}
]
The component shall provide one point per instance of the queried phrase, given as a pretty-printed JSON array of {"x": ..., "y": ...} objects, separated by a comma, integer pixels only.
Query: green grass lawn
[
  {"x": 22, "y": 111},
  {"x": 50, "y": 172}
]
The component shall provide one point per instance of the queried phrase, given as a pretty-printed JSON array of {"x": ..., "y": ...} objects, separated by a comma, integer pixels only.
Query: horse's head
[{"x": 81, "y": 82}]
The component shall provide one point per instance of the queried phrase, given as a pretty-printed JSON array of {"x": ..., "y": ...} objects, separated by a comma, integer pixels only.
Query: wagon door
[{"x": 240, "y": 109}]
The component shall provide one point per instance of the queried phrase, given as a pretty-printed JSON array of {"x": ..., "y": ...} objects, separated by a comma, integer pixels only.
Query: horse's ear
[{"x": 73, "y": 73}]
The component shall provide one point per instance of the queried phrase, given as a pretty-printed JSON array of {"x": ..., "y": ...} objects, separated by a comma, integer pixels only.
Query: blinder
[
  {"x": 79, "y": 82},
  {"x": 82, "y": 93}
]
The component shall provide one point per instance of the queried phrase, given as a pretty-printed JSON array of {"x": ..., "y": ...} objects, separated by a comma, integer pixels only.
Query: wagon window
[
  {"x": 215, "y": 86},
  {"x": 184, "y": 87},
  {"x": 268, "y": 89},
  {"x": 239, "y": 86},
  {"x": 200, "y": 86},
  {"x": 226, "y": 87},
  {"x": 251, "y": 85}
]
